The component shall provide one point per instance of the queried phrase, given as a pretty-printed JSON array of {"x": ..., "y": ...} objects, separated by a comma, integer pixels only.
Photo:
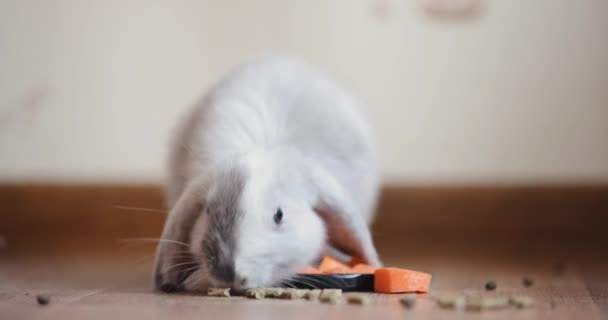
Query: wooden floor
[
  {"x": 117, "y": 286},
  {"x": 69, "y": 242}
]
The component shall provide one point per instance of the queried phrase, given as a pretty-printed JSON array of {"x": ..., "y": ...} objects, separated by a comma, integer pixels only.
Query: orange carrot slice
[
  {"x": 363, "y": 268},
  {"x": 332, "y": 265},
  {"x": 395, "y": 280},
  {"x": 310, "y": 270},
  {"x": 355, "y": 261},
  {"x": 339, "y": 270}
]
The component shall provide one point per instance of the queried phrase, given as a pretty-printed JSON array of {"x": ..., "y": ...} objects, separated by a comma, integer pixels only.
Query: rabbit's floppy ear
[
  {"x": 349, "y": 235},
  {"x": 176, "y": 235},
  {"x": 347, "y": 231}
]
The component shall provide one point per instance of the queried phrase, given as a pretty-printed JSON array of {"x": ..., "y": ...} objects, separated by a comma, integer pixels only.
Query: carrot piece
[
  {"x": 329, "y": 264},
  {"x": 355, "y": 261},
  {"x": 363, "y": 268},
  {"x": 338, "y": 270},
  {"x": 395, "y": 280},
  {"x": 310, "y": 270}
]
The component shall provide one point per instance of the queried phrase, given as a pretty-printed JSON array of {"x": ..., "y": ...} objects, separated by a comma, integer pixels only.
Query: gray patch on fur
[{"x": 223, "y": 210}]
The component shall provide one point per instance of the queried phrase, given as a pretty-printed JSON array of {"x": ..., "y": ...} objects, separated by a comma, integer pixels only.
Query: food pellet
[
  {"x": 43, "y": 299},
  {"x": 479, "y": 304},
  {"x": 312, "y": 294},
  {"x": 359, "y": 299},
  {"x": 330, "y": 293},
  {"x": 496, "y": 302},
  {"x": 218, "y": 292},
  {"x": 300, "y": 293},
  {"x": 255, "y": 294},
  {"x": 521, "y": 301},
  {"x": 293, "y": 294},
  {"x": 490, "y": 285},
  {"x": 286, "y": 294},
  {"x": 331, "y": 296},
  {"x": 451, "y": 302},
  {"x": 528, "y": 282},
  {"x": 326, "y": 292},
  {"x": 459, "y": 303},
  {"x": 445, "y": 302},
  {"x": 274, "y": 292},
  {"x": 408, "y": 300},
  {"x": 331, "y": 299},
  {"x": 474, "y": 304}
]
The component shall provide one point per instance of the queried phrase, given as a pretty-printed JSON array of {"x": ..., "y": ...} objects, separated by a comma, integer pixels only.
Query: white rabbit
[{"x": 274, "y": 163}]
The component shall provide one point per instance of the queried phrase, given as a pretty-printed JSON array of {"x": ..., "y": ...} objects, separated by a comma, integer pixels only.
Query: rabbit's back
[{"x": 271, "y": 103}]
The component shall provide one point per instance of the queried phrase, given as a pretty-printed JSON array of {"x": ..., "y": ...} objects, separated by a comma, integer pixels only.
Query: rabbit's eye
[{"x": 278, "y": 216}]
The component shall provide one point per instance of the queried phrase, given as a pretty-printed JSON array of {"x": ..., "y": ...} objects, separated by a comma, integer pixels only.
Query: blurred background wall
[{"x": 89, "y": 90}]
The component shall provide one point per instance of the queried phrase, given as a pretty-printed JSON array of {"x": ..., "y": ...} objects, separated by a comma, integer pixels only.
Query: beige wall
[{"x": 90, "y": 89}]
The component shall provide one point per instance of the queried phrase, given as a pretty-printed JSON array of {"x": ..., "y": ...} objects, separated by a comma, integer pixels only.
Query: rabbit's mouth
[
  {"x": 180, "y": 284},
  {"x": 173, "y": 277}
]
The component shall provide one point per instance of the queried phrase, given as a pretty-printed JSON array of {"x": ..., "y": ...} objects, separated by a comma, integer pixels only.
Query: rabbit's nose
[{"x": 239, "y": 285}]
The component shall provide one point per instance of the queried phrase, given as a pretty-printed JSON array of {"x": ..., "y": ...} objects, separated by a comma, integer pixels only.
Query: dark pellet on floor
[
  {"x": 43, "y": 300},
  {"x": 490, "y": 285},
  {"x": 528, "y": 282}
]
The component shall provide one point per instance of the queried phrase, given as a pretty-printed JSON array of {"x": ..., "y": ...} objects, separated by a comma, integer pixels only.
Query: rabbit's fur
[{"x": 274, "y": 134}]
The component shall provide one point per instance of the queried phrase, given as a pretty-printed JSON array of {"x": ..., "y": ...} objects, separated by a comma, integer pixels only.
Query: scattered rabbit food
[
  {"x": 521, "y": 301},
  {"x": 273, "y": 292},
  {"x": 489, "y": 303},
  {"x": 385, "y": 280},
  {"x": 451, "y": 302},
  {"x": 312, "y": 294},
  {"x": 43, "y": 299},
  {"x": 331, "y": 296},
  {"x": 327, "y": 295},
  {"x": 360, "y": 299},
  {"x": 490, "y": 285},
  {"x": 331, "y": 299},
  {"x": 218, "y": 292},
  {"x": 461, "y": 302},
  {"x": 408, "y": 300},
  {"x": 292, "y": 294},
  {"x": 255, "y": 294}
]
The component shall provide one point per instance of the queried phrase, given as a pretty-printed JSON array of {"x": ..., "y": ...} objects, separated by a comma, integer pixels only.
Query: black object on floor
[
  {"x": 346, "y": 282},
  {"x": 43, "y": 299}
]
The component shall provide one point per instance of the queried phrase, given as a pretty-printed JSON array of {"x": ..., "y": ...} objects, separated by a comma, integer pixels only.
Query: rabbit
[{"x": 274, "y": 164}]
